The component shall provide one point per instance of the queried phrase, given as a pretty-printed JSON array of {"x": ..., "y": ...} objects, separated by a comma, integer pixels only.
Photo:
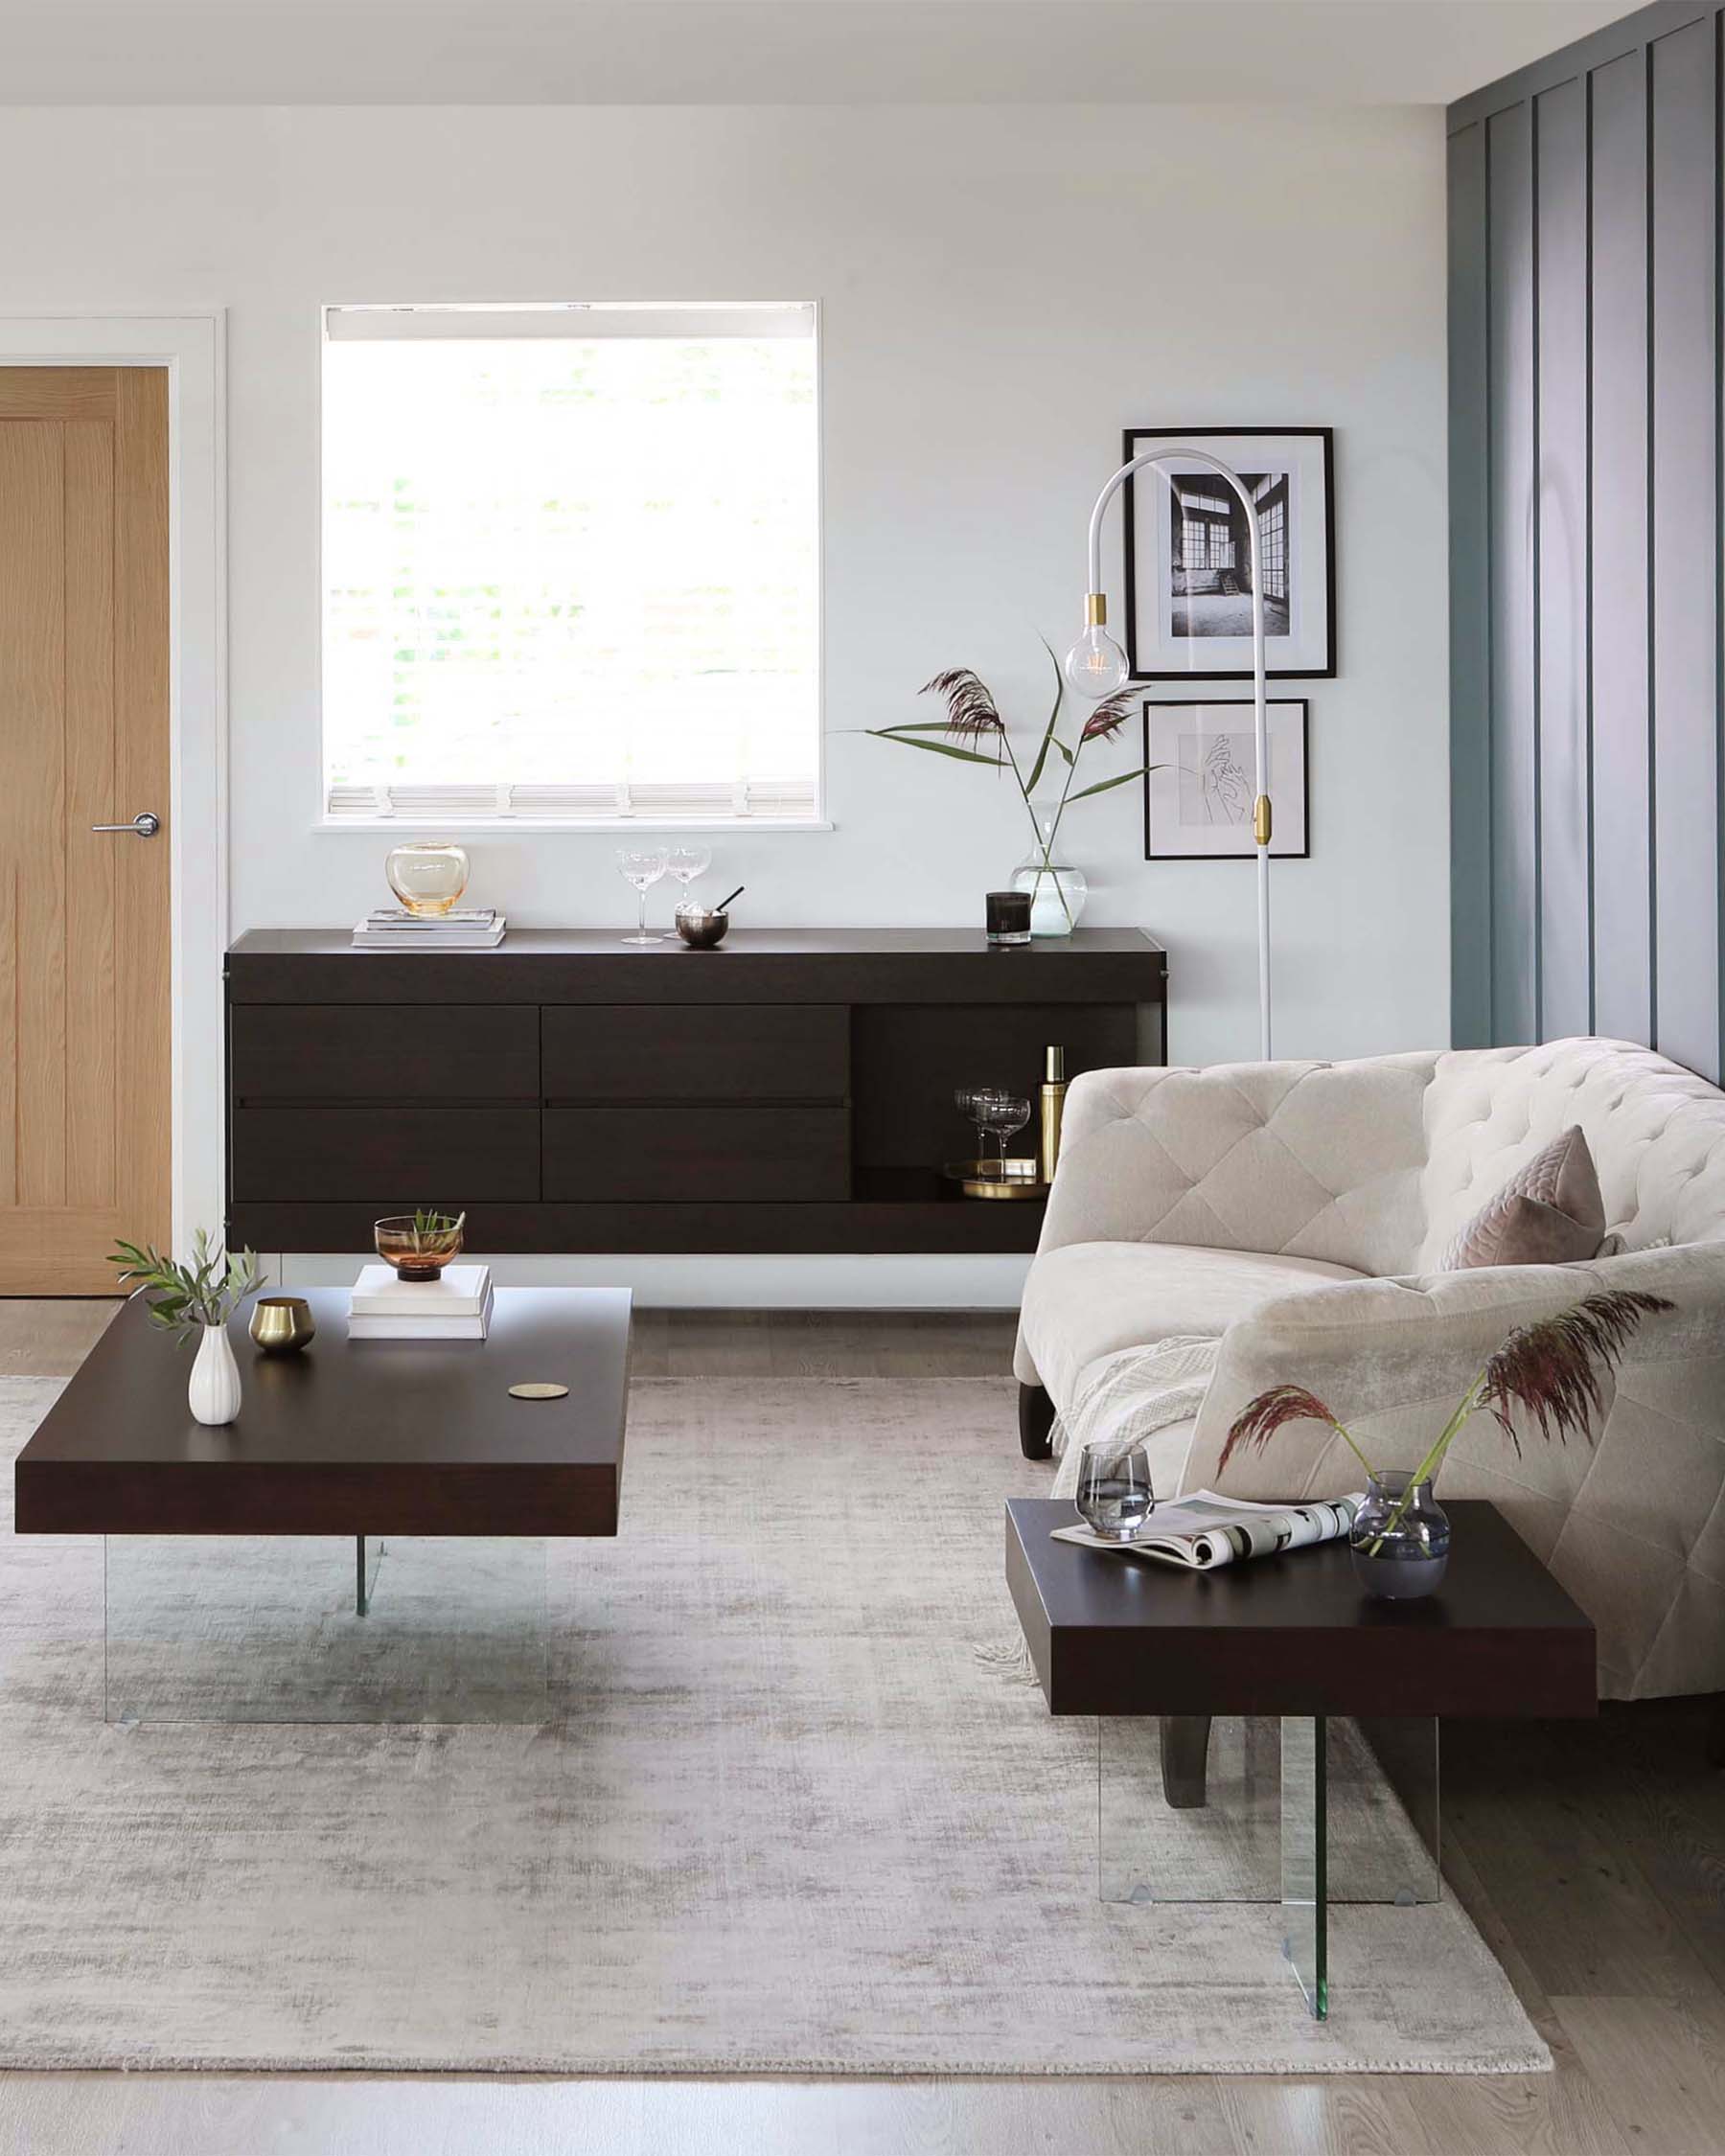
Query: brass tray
[{"x": 1011, "y": 1178}]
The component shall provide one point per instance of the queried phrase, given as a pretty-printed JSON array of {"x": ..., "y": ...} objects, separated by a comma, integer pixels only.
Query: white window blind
[{"x": 571, "y": 563}]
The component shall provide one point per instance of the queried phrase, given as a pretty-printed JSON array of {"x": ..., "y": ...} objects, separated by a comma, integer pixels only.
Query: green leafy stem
[{"x": 186, "y": 1299}]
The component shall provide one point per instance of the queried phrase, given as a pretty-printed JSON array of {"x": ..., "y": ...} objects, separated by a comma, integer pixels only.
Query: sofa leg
[
  {"x": 1184, "y": 1760},
  {"x": 1036, "y": 1419}
]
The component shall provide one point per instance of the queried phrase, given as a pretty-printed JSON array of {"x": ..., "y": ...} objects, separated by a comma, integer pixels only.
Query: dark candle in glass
[{"x": 1008, "y": 916}]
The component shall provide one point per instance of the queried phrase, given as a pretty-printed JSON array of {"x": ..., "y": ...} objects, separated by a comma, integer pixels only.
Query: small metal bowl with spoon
[{"x": 702, "y": 926}]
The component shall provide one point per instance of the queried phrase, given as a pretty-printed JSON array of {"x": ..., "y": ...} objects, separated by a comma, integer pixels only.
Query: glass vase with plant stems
[
  {"x": 1550, "y": 1369},
  {"x": 972, "y": 716}
]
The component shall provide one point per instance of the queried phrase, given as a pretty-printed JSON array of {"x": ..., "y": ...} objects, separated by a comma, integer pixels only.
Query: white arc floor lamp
[{"x": 1095, "y": 667}]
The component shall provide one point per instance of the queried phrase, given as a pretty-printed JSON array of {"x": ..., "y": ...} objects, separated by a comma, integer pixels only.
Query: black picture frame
[
  {"x": 1134, "y": 440},
  {"x": 1245, "y": 850}
]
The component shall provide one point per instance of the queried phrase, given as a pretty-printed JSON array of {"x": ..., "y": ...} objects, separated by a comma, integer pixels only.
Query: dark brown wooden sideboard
[{"x": 790, "y": 1092}]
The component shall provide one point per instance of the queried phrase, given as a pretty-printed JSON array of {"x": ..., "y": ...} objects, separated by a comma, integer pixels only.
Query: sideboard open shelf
[{"x": 791, "y": 1091}]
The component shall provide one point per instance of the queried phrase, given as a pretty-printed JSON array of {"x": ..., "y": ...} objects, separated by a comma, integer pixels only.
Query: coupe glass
[
  {"x": 965, "y": 1100},
  {"x": 1003, "y": 1114},
  {"x": 641, "y": 866},
  {"x": 686, "y": 863},
  {"x": 1115, "y": 1493}
]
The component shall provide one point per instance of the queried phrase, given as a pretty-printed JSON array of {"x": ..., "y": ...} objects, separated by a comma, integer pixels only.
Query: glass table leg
[
  {"x": 1252, "y": 1808},
  {"x": 1383, "y": 1807},
  {"x": 293, "y": 1628},
  {"x": 369, "y": 1552},
  {"x": 1188, "y": 1808},
  {"x": 1305, "y": 1865}
]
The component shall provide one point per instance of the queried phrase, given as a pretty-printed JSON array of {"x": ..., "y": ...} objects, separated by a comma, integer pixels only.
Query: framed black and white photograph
[
  {"x": 1189, "y": 554},
  {"x": 1203, "y": 780}
]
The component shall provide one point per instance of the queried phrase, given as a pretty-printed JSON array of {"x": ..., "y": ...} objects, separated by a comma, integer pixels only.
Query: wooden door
[{"x": 84, "y": 933}]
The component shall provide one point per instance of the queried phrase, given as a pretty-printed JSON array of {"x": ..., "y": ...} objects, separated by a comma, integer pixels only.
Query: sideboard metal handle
[{"x": 145, "y": 826}]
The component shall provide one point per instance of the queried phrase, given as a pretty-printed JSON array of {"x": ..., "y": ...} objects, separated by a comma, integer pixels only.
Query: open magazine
[{"x": 1203, "y": 1531}]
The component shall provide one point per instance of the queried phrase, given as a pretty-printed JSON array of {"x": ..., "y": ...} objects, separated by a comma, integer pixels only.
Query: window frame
[{"x": 412, "y": 822}]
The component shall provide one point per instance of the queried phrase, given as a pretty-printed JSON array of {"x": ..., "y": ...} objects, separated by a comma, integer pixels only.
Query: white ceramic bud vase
[{"x": 214, "y": 1392}]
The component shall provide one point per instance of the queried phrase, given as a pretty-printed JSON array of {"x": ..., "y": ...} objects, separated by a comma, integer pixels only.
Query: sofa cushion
[
  {"x": 1656, "y": 1132},
  {"x": 1091, "y": 1299},
  {"x": 1549, "y": 1212}
]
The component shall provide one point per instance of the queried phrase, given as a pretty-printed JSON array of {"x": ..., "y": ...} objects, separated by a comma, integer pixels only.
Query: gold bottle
[{"x": 1053, "y": 1107}]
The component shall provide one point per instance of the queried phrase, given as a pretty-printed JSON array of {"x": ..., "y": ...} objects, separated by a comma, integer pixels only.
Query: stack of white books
[
  {"x": 456, "y": 1306},
  {"x": 392, "y": 928}
]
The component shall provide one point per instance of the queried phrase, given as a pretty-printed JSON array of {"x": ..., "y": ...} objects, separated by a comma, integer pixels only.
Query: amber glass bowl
[{"x": 419, "y": 1246}]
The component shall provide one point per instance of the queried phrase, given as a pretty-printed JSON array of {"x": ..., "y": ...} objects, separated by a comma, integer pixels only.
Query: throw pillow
[{"x": 1548, "y": 1213}]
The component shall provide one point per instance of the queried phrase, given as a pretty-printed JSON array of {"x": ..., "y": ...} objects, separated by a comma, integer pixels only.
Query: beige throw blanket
[{"x": 1126, "y": 1397}]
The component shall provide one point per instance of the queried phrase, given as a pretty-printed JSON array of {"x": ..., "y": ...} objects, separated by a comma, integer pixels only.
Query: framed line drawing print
[
  {"x": 1198, "y": 804},
  {"x": 1189, "y": 574}
]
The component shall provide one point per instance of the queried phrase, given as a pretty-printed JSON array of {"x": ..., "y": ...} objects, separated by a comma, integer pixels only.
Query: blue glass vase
[{"x": 1400, "y": 1558}]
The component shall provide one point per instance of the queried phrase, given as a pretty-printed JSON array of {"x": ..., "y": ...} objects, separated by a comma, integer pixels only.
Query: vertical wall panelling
[
  {"x": 1623, "y": 866},
  {"x": 1681, "y": 111},
  {"x": 1470, "y": 737},
  {"x": 1565, "y": 895},
  {"x": 1586, "y": 541},
  {"x": 1512, "y": 550}
]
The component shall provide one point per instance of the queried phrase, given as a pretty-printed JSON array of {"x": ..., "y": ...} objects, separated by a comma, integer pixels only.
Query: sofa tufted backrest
[
  {"x": 1311, "y": 1159},
  {"x": 1656, "y": 1132}
]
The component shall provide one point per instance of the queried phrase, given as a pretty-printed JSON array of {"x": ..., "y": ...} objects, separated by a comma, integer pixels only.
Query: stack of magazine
[
  {"x": 392, "y": 928},
  {"x": 1203, "y": 1531},
  {"x": 457, "y": 1305}
]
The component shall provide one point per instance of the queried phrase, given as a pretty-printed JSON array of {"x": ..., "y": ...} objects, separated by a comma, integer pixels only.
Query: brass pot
[{"x": 282, "y": 1324}]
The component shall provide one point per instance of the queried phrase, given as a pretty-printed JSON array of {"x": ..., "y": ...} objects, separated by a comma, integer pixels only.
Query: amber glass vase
[{"x": 428, "y": 874}]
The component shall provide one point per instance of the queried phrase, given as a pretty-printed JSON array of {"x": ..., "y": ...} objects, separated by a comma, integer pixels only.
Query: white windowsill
[{"x": 731, "y": 824}]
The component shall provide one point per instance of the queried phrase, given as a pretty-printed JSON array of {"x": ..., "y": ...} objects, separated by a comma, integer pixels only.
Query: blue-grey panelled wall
[{"x": 1586, "y": 553}]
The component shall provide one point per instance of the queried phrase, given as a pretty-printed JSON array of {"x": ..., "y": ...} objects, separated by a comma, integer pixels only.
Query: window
[
  {"x": 570, "y": 563},
  {"x": 1272, "y": 543},
  {"x": 1203, "y": 545}
]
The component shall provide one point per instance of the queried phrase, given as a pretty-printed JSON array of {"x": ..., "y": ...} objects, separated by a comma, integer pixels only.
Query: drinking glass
[
  {"x": 1003, "y": 1114},
  {"x": 641, "y": 866},
  {"x": 686, "y": 863},
  {"x": 965, "y": 1099},
  {"x": 1114, "y": 1494}
]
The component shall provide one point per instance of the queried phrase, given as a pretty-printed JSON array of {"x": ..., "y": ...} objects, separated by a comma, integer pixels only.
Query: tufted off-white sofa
[{"x": 1298, "y": 1212}]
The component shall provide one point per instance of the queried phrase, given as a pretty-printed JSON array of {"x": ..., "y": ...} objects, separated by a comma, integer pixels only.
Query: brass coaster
[{"x": 539, "y": 1392}]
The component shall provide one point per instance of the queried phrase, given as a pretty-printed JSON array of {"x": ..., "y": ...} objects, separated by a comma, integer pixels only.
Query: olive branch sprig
[{"x": 185, "y": 1299}]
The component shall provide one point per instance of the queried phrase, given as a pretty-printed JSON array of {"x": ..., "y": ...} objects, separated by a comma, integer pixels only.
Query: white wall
[{"x": 1003, "y": 291}]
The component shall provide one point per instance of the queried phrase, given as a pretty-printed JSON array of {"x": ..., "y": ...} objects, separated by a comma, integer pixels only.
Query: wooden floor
[{"x": 1592, "y": 1857}]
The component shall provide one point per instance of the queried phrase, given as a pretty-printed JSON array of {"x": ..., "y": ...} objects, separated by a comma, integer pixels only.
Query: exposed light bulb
[{"x": 1095, "y": 666}]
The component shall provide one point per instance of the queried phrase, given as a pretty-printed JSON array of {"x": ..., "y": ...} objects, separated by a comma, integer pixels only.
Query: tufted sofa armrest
[
  {"x": 1633, "y": 1526},
  {"x": 1310, "y": 1159}
]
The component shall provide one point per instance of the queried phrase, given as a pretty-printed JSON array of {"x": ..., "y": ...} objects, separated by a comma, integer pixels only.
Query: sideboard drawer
[
  {"x": 357, "y": 1052},
  {"x": 659, "y": 1156},
  {"x": 696, "y": 1051},
  {"x": 404, "y": 1155}
]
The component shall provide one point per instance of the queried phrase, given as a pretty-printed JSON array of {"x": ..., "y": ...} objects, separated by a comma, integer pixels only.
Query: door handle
[{"x": 145, "y": 826}]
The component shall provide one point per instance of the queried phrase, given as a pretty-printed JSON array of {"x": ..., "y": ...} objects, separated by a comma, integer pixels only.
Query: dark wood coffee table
[
  {"x": 1294, "y": 1638},
  {"x": 351, "y": 1438}
]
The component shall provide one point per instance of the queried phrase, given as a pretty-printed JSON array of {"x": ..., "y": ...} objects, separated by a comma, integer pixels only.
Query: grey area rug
[{"x": 784, "y": 1822}]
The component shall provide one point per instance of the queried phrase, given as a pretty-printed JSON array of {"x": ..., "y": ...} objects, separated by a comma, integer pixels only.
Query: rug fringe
[{"x": 1004, "y": 1657}]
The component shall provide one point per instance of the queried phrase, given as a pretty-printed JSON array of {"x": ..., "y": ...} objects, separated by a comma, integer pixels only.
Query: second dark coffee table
[
  {"x": 1294, "y": 1638},
  {"x": 364, "y": 1439}
]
